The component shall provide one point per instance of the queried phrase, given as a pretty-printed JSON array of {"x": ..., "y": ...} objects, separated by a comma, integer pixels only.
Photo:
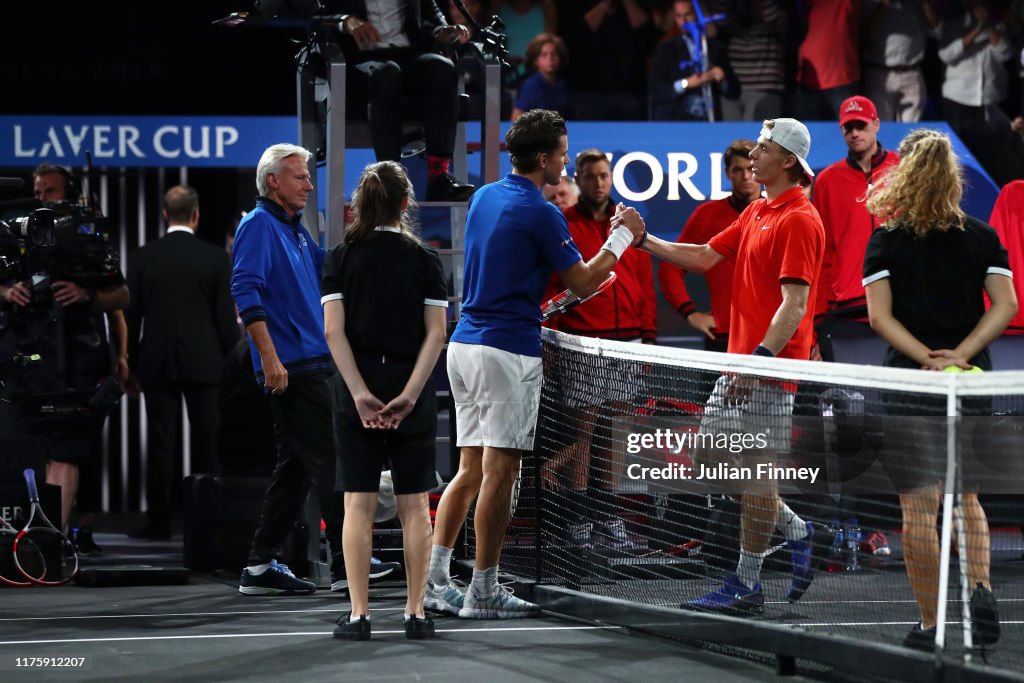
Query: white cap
[{"x": 792, "y": 135}]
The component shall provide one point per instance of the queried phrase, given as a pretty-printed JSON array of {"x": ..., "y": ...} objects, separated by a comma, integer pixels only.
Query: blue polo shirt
[{"x": 514, "y": 240}]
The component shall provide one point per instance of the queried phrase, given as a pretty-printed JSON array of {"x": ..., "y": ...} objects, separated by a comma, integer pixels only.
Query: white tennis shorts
[
  {"x": 496, "y": 394},
  {"x": 767, "y": 413}
]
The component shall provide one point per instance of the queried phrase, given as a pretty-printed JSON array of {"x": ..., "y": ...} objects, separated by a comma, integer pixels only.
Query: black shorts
[
  {"x": 409, "y": 451},
  {"x": 915, "y": 429}
]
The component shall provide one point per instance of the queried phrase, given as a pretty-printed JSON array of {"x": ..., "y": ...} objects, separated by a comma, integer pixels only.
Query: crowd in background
[{"x": 953, "y": 60}]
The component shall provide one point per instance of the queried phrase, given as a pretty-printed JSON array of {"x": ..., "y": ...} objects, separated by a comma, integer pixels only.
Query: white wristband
[{"x": 618, "y": 241}]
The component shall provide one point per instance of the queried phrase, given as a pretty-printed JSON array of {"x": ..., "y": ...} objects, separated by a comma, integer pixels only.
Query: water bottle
[
  {"x": 835, "y": 557},
  {"x": 853, "y": 538}
]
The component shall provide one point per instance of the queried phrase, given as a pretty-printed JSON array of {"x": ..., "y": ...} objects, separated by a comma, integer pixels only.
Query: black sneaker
[
  {"x": 380, "y": 570},
  {"x": 445, "y": 188},
  {"x": 84, "y": 542},
  {"x": 277, "y": 579},
  {"x": 920, "y": 639},
  {"x": 352, "y": 630},
  {"x": 419, "y": 628},
  {"x": 984, "y": 617}
]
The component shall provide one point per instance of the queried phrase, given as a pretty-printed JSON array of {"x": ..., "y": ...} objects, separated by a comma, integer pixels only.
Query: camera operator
[
  {"x": 74, "y": 437},
  {"x": 392, "y": 50}
]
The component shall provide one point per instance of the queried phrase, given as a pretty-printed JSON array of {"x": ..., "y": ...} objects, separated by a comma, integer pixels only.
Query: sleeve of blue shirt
[
  {"x": 251, "y": 269},
  {"x": 555, "y": 241}
]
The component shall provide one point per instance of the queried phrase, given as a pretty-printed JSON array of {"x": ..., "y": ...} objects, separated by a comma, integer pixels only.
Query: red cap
[{"x": 857, "y": 108}]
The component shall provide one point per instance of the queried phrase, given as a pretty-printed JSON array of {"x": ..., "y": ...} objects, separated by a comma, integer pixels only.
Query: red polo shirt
[
  {"x": 770, "y": 242},
  {"x": 1008, "y": 220}
]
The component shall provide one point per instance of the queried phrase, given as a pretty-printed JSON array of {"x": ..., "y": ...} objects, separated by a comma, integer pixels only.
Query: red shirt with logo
[
  {"x": 628, "y": 310},
  {"x": 707, "y": 220},
  {"x": 839, "y": 196},
  {"x": 771, "y": 241}
]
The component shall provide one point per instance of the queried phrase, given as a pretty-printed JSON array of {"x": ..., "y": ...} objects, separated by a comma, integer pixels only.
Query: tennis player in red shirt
[
  {"x": 778, "y": 244},
  {"x": 707, "y": 220}
]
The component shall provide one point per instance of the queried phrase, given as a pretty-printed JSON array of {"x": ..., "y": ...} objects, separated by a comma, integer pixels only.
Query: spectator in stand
[
  {"x": 975, "y": 51},
  {"x": 524, "y": 19},
  {"x": 839, "y": 196},
  {"x": 828, "y": 61},
  {"x": 627, "y": 312},
  {"x": 708, "y": 220},
  {"x": 755, "y": 34},
  {"x": 609, "y": 41},
  {"x": 1008, "y": 220},
  {"x": 895, "y": 35},
  {"x": 545, "y": 89},
  {"x": 676, "y": 81},
  {"x": 563, "y": 195}
]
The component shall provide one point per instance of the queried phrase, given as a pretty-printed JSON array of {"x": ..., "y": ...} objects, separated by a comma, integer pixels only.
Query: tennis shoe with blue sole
[
  {"x": 447, "y": 598},
  {"x": 500, "y": 604},
  {"x": 732, "y": 598},
  {"x": 806, "y": 555}
]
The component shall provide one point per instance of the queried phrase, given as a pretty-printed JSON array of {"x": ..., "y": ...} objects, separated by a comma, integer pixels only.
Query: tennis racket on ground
[
  {"x": 9, "y": 573},
  {"x": 567, "y": 300},
  {"x": 39, "y": 540}
]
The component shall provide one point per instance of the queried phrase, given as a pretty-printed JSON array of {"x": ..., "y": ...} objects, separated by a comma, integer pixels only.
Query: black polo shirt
[
  {"x": 938, "y": 281},
  {"x": 385, "y": 281}
]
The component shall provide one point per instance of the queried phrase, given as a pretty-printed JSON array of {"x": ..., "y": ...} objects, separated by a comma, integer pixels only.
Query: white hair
[{"x": 271, "y": 160}]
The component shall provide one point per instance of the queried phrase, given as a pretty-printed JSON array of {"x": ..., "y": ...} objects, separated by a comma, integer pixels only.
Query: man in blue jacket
[{"x": 276, "y": 285}]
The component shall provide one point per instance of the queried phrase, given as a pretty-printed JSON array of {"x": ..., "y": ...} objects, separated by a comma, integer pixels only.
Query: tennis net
[{"x": 647, "y": 458}]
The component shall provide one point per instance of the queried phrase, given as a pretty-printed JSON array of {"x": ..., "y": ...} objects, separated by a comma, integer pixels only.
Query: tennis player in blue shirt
[{"x": 514, "y": 240}]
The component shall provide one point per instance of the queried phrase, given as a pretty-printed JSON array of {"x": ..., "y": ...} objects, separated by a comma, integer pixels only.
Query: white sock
[
  {"x": 485, "y": 582},
  {"x": 257, "y": 569},
  {"x": 440, "y": 563},
  {"x": 790, "y": 524},
  {"x": 749, "y": 568},
  {"x": 353, "y": 618}
]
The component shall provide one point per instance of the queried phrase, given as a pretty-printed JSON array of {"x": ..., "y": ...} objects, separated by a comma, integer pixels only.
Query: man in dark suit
[
  {"x": 181, "y": 324},
  {"x": 390, "y": 49}
]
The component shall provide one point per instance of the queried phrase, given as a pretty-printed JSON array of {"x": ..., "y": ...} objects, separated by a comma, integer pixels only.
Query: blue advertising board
[{"x": 665, "y": 169}]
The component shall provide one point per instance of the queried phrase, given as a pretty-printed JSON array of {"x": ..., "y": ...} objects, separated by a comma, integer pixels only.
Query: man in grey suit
[{"x": 181, "y": 325}]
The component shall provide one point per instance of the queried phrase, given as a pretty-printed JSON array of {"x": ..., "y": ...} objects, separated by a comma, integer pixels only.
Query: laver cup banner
[{"x": 662, "y": 167}]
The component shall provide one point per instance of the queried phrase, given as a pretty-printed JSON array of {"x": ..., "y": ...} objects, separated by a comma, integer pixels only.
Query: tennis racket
[
  {"x": 9, "y": 573},
  {"x": 567, "y": 300},
  {"x": 39, "y": 540}
]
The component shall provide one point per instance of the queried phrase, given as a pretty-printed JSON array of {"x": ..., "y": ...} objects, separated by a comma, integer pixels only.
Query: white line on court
[
  {"x": 870, "y": 602},
  {"x": 294, "y": 633},
  {"x": 193, "y": 614},
  {"x": 884, "y": 623}
]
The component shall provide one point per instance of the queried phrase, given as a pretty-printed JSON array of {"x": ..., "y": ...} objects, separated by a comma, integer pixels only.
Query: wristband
[
  {"x": 640, "y": 243},
  {"x": 681, "y": 85},
  {"x": 762, "y": 351},
  {"x": 618, "y": 241}
]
